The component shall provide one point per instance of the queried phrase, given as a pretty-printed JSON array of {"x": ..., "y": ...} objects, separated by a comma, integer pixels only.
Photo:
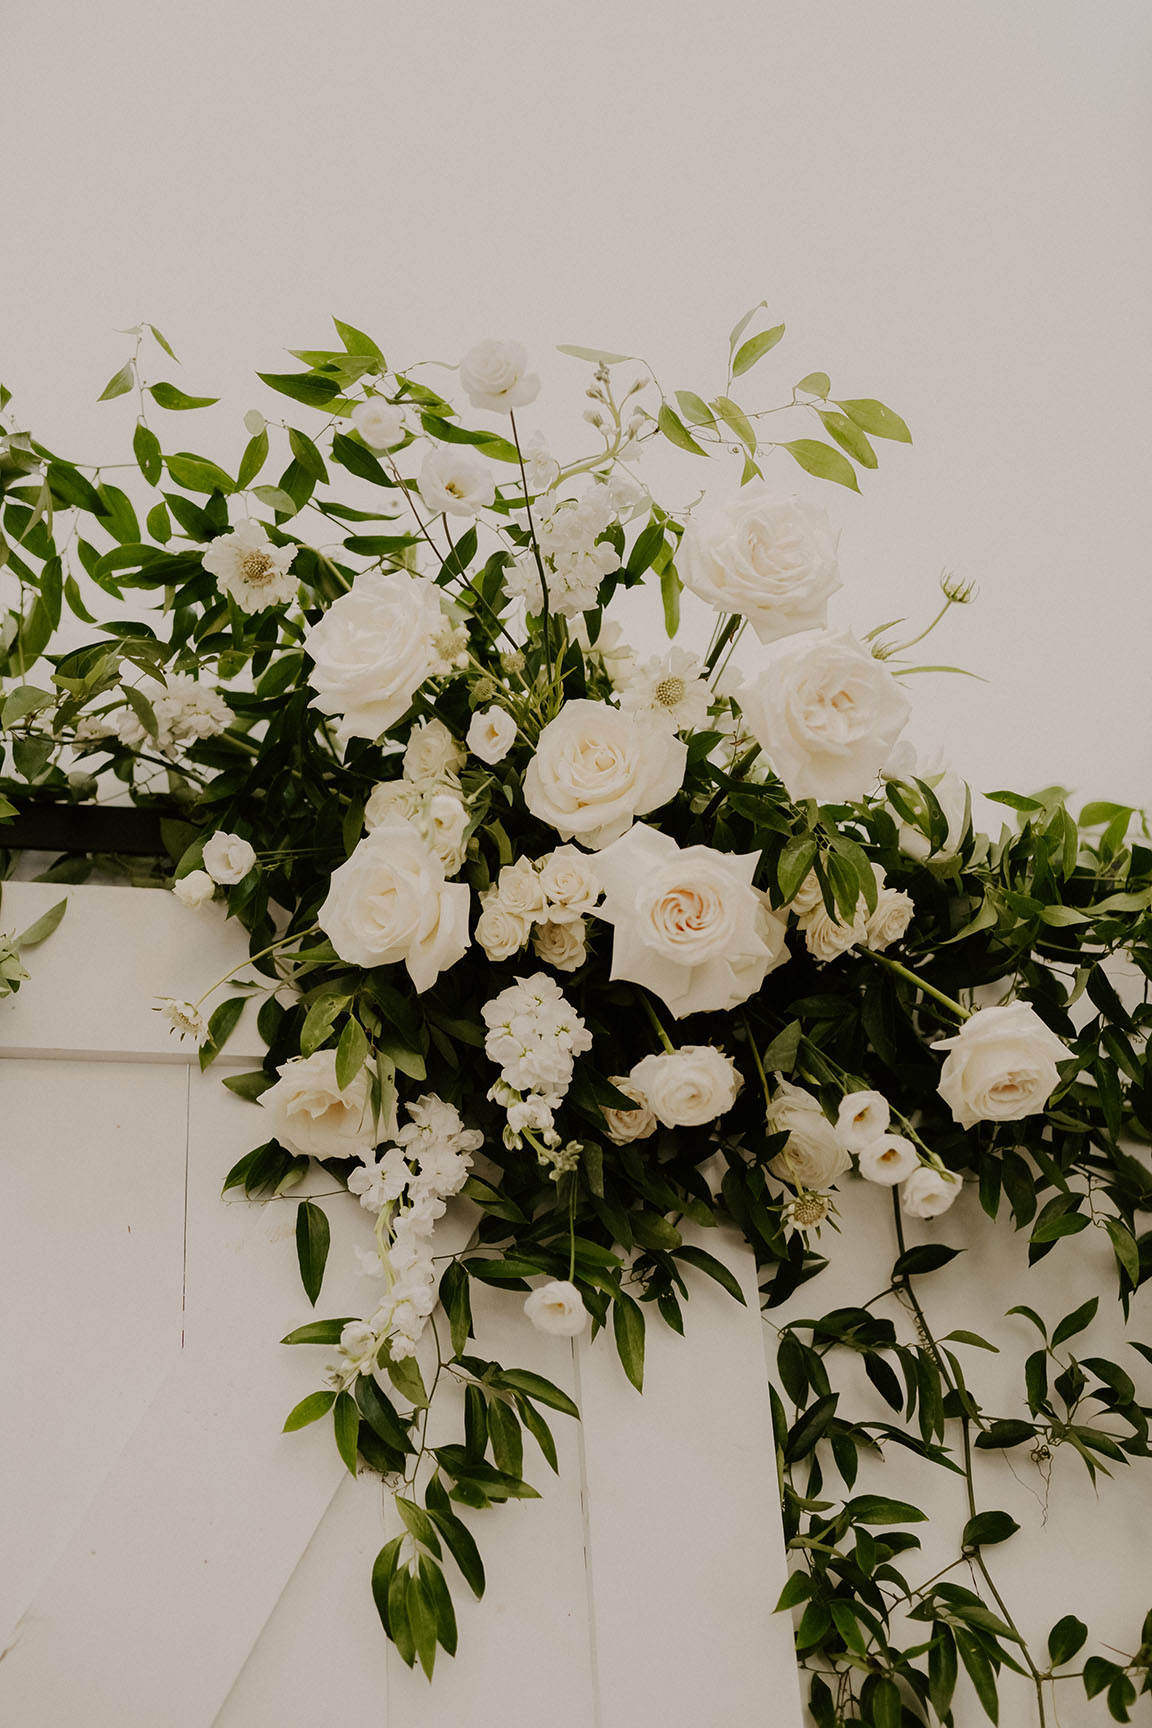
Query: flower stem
[
  {"x": 544, "y": 611},
  {"x": 948, "y": 1002},
  {"x": 281, "y": 942},
  {"x": 656, "y": 1023}
]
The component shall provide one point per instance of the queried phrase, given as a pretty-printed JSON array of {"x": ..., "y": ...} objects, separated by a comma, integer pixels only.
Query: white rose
[
  {"x": 453, "y": 480},
  {"x": 445, "y": 820},
  {"x": 520, "y": 890},
  {"x": 390, "y": 801},
  {"x": 894, "y": 912},
  {"x": 500, "y": 931},
  {"x": 596, "y": 768},
  {"x": 431, "y": 753},
  {"x": 194, "y": 889},
  {"x": 826, "y": 713},
  {"x": 570, "y": 883},
  {"x": 491, "y": 735},
  {"x": 1000, "y": 1066},
  {"x": 807, "y": 897},
  {"x": 927, "y": 1192},
  {"x": 228, "y": 858},
  {"x": 373, "y": 649},
  {"x": 953, "y": 797},
  {"x": 379, "y": 423},
  {"x": 624, "y": 1126},
  {"x": 827, "y": 937},
  {"x": 689, "y": 1086},
  {"x": 862, "y": 1119},
  {"x": 771, "y": 559},
  {"x": 813, "y": 1156},
  {"x": 313, "y": 1115},
  {"x": 495, "y": 376},
  {"x": 389, "y": 902},
  {"x": 560, "y": 945},
  {"x": 557, "y": 1307},
  {"x": 888, "y": 1160},
  {"x": 689, "y": 925}
]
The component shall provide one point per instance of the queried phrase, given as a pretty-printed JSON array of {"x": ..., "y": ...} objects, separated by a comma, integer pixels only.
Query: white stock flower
[
  {"x": 813, "y": 1156},
  {"x": 862, "y": 1119},
  {"x": 454, "y": 480},
  {"x": 1000, "y": 1066},
  {"x": 560, "y": 945},
  {"x": 672, "y": 689},
  {"x": 687, "y": 1087},
  {"x": 500, "y": 931},
  {"x": 491, "y": 735},
  {"x": 228, "y": 858},
  {"x": 688, "y": 924},
  {"x": 389, "y": 902},
  {"x": 771, "y": 559},
  {"x": 184, "y": 710},
  {"x": 888, "y": 1160},
  {"x": 557, "y": 1307},
  {"x": 595, "y": 769},
  {"x": 540, "y": 467},
  {"x": 624, "y": 1126},
  {"x": 953, "y": 798},
  {"x": 570, "y": 883},
  {"x": 534, "y": 1036},
  {"x": 495, "y": 376},
  {"x": 431, "y": 754},
  {"x": 373, "y": 649},
  {"x": 247, "y": 566},
  {"x": 623, "y": 492},
  {"x": 379, "y": 423},
  {"x": 195, "y": 889},
  {"x": 310, "y": 1113},
  {"x": 826, "y": 714},
  {"x": 926, "y": 1193}
]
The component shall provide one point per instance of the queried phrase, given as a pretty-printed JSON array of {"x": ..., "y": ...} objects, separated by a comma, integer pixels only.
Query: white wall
[{"x": 948, "y": 206}]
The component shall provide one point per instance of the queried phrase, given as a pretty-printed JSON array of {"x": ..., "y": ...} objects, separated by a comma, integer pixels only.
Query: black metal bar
[{"x": 84, "y": 828}]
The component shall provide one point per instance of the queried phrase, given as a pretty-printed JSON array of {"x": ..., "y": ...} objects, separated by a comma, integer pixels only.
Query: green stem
[
  {"x": 722, "y": 642},
  {"x": 656, "y": 1023},
  {"x": 544, "y": 611},
  {"x": 948, "y": 1002},
  {"x": 281, "y": 942}
]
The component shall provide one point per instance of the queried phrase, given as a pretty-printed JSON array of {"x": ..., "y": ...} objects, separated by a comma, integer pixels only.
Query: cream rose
[
  {"x": 495, "y": 377},
  {"x": 444, "y": 820},
  {"x": 689, "y": 1086},
  {"x": 379, "y": 423},
  {"x": 228, "y": 858},
  {"x": 195, "y": 889},
  {"x": 1000, "y": 1066},
  {"x": 813, "y": 1156},
  {"x": 500, "y": 931},
  {"x": 373, "y": 649},
  {"x": 389, "y": 902},
  {"x": 928, "y": 1192},
  {"x": 826, "y": 713},
  {"x": 888, "y": 1160},
  {"x": 953, "y": 797},
  {"x": 827, "y": 937},
  {"x": 391, "y": 800},
  {"x": 560, "y": 945},
  {"x": 771, "y": 559},
  {"x": 688, "y": 924},
  {"x": 455, "y": 481},
  {"x": 624, "y": 1126},
  {"x": 431, "y": 754},
  {"x": 570, "y": 883},
  {"x": 557, "y": 1307},
  {"x": 491, "y": 735},
  {"x": 520, "y": 890},
  {"x": 595, "y": 769},
  {"x": 894, "y": 912},
  {"x": 312, "y": 1115},
  {"x": 863, "y": 1117}
]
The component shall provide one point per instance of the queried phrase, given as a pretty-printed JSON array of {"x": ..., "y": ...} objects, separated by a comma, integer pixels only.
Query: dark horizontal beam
[{"x": 84, "y": 828}]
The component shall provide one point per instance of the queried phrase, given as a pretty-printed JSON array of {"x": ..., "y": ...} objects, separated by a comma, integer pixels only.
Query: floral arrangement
[{"x": 603, "y": 942}]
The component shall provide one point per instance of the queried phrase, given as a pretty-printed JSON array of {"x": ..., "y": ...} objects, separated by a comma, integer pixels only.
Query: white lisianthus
[
  {"x": 813, "y": 1156},
  {"x": 926, "y": 1192},
  {"x": 500, "y": 931},
  {"x": 624, "y": 1126},
  {"x": 826, "y": 714},
  {"x": 311, "y": 1114},
  {"x": 373, "y": 649},
  {"x": 195, "y": 889},
  {"x": 894, "y": 912},
  {"x": 570, "y": 883},
  {"x": 888, "y": 1160},
  {"x": 379, "y": 423},
  {"x": 687, "y": 1087},
  {"x": 491, "y": 735},
  {"x": 495, "y": 376},
  {"x": 390, "y": 902},
  {"x": 689, "y": 925},
  {"x": 862, "y": 1119},
  {"x": 1000, "y": 1066},
  {"x": 431, "y": 754},
  {"x": 771, "y": 559},
  {"x": 560, "y": 945},
  {"x": 391, "y": 800},
  {"x": 455, "y": 481},
  {"x": 228, "y": 858},
  {"x": 557, "y": 1307},
  {"x": 595, "y": 769},
  {"x": 250, "y": 568},
  {"x": 954, "y": 799},
  {"x": 670, "y": 688}
]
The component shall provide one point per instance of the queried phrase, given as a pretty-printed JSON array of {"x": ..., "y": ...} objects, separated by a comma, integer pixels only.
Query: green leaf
[
  {"x": 313, "y": 1236},
  {"x": 676, "y": 432},
  {"x": 540, "y": 1432},
  {"x": 168, "y": 396},
  {"x": 962, "y": 1337},
  {"x": 815, "y": 384},
  {"x": 535, "y": 1386},
  {"x": 1125, "y": 1248},
  {"x": 780, "y": 1056},
  {"x": 383, "y": 1571},
  {"x": 249, "y": 1085},
  {"x": 849, "y": 437},
  {"x": 809, "y": 1427},
  {"x": 1065, "y": 1639},
  {"x": 887, "y": 1710},
  {"x": 301, "y": 387},
  {"x": 628, "y": 1329},
  {"x": 598, "y": 356},
  {"x": 24, "y": 700},
  {"x": 197, "y": 474},
  {"x": 980, "y": 1672},
  {"x": 159, "y": 523},
  {"x": 119, "y": 384},
  {"x": 986, "y": 1528},
  {"x": 875, "y": 1509},
  {"x": 794, "y": 864},
  {"x": 648, "y": 544},
  {"x": 872, "y": 416},
  {"x": 798, "y": 1589},
  {"x": 742, "y": 324},
  {"x": 734, "y": 417},
  {"x": 504, "y": 1433},
  {"x": 355, "y": 340},
  {"x": 275, "y": 498},
  {"x": 351, "y": 1054},
  {"x": 407, "y": 1379},
  {"x": 163, "y": 342},
  {"x": 1005, "y": 1433},
  {"x": 307, "y": 454},
  {"x": 694, "y": 409},
  {"x": 399, "y": 1624},
  {"x": 254, "y": 457},
  {"x": 822, "y": 461},
  {"x": 221, "y": 1026},
  {"x": 671, "y": 588},
  {"x": 754, "y": 349},
  {"x": 419, "y": 1523},
  {"x": 1098, "y": 1673},
  {"x": 1076, "y": 1321},
  {"x": 708, "y": 1263},
  {"x": 926, "y": 1257},
  {"x": 346, "y": 1422},
  {"x": 460, "y": 1544},
  {"x": 309, "y": 1409},
  {"x": 942, "y": 1669},
  {"x": 43, "y": 926},
  {"x": 319, "y": 1331},
  {"x": 380, "y": 1414}
]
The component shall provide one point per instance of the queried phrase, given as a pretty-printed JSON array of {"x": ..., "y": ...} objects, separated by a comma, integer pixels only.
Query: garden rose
[
  {"x": 771, "y": 559},
  {"x": 689, "y": 1086},
  {"x": 391, "y": 800},
  {"x": 624, "y": 1126},
  {"x": 596, "y": 768},
  {"x": 500, "y": 931},
  {"x": 495, "y": 376},
  {"x": 228, "y": 858},
  {"x": 455, "y": 481},
  {"x": 689, "y": 925},
  {"x": 431, "y": 754},
  {"x": 928, "y": 1192},
  {"x": 827, "y": 937},
  {"x": 373, "y": 649},
  {"x": 826, "y": 713},
  {"x": 863, "y": 1118},
  {"x": 312, "y": 1115},
  {"x": 520, "y": 890},
  {"x": 894, "y": 912},
  {"x": 250, "y": 568},
  {"x": 195, "y": 889},
  {"x": 491, "y": 735},
  {"x": 560, "y": 945},
  {"x": 888, "y": 1160},
  {"x": 389, "y": 902},
  {"x": 570, "y": 883},
  {"x": 813, "y": 1156},
  {"x": 1000, "y": 1066},
  {"x": 557, "y": 1307},
  {"x": 379, "y": 423}
]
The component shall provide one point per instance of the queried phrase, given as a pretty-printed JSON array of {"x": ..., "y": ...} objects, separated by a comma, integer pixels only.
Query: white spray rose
[
  {"x": 519, "y": 888},
  {"x": 390, "y": 801},
  {"x": 813, "y": 1156},
  {"x": 687, "y": 1087},
  {"x": 455, "y": 481},
  {"x": 827, "y": 937},
  {"x": 195, "y": 889},
  {"x": 491, "y": 735},
  {"x": 228, "y": 858},
  {"x": 379, "y": 423},
  {"x": 443, "y": 822},
  {"x": 389, "y": 902},
  {"x": 888, "y": 1160},
  {"x": 250, "y": 568},
  {"x": 1000, "y": 1066},
  {"x": 500, "y": 931},
  {"x": 953, "y": 798},
  {"x": 894, "y": 912},
  {"x": 771, "y": 559},
  {"x": 495, "y": 376},
  {"x": 570, "y": 883},
  {"x": 624, "y": 1126},
  {"x": 927, "y": 1192},
  {"x": 312, "y": 1115},
  {"x": 557, "y": 1307},
  {"x": 373, "y": 649},
  {"x": 431, "y": 754},
  {"x": 826, "y": 714},
  {"x": 595, "y": 769},
  {"x": 862, "y": 1119},
  {"x": 560, "y": 945}
]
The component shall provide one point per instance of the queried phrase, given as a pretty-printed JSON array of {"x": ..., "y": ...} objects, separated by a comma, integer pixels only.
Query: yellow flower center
[
  {"x": 808, "y": 1210},
  {"x": 257, "y": 568},
  {"x": 670, "y": 692}
]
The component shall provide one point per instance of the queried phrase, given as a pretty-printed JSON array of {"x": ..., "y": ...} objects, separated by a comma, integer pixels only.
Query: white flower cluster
[
  {"x": 827, "y": 936},
  {"x": 567, "y": 534},
  {"x": 184, "y": 710},
  {"x": 408, "y": 1187},
  {"x": 534, "y": 1036},
  {"x": 545, "y": 898},
  {"x": 862, "y": 1127},
  {"x": 427, "y": 794},
  {"x": 681, "y": 1088}
]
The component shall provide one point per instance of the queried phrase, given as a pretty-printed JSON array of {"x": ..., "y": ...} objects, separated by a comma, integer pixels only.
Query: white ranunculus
[
  {"x": 953, "y": 798},
  {"x": 379, "y": 423},
  {"x": 894, "y": 912},
  {"x": 557, "y": 1307},
  {"x": 312, "y": 1115},
  {"x": 689, "y": 1086},
  {"x": 1000, "y": 1066},
  {"x": 927, "y": 1192},
  {"x": 689, "y": 925},
  {"x": 389, "y": 902},
  {"x": 888, "y": 1160},
  {"x": 595, "y": 769},
  {"x": 495, "y": 376},
  {"x": 813, "y": 1156},
  {"x": 560, "y": 945},
  {"x": 862, "y": 1119},
  {"x": 373, "y": 649},
  {"x": 500, "y": 931},
  {"x": 454, "y": 480},
  {"x": 826, "y": 714},
  {"x": 491, "y": 735},
  {"x": 431, "y": 754},
  {"x": 771, "y": 559},
  {"x": 570, "y": 883},
  {"x": 228, "y": 858},
  {"x": 248, "y": 566},
  {"x": 624, "y": 1126},
  {"x": 195, "y": 889}
]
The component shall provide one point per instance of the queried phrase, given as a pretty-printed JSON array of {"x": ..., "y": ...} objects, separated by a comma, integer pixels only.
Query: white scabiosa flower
[
  {"x": 228, "y": 858},
  {"x": 557, "y": 1307},
  {"x": 670, "y": 688},
  {"x": 456, "y": 482},
  {"x": 379, "y": 423},
  {"x": 495, "y": 376},
  {"x": 195, "y": 889},
  {"x": 250, "y": 568},
  {"x": 184, "y": 1018}
]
